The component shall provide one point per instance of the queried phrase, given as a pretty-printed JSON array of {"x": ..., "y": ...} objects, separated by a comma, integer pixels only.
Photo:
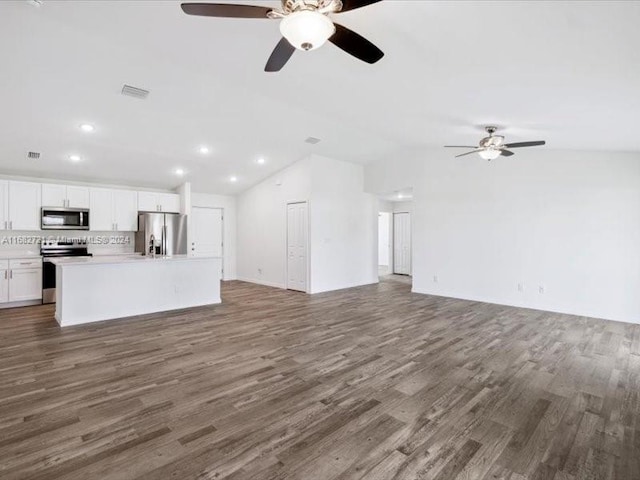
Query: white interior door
[
  {"x": 206, "y": 232},
  {"x": 402, "y": 243},
  {"x": 297, "y": 246}
]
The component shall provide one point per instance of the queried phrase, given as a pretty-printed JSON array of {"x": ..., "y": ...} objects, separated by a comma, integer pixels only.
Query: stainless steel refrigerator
[{"x": 166, "y": 233}]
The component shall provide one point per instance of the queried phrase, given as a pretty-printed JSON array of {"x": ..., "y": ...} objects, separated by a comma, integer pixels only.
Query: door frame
[
  {"x": 191, "y": 232},
  {"x": 390, "y": 252},
  {"x": 286, "y": 246},
  {"x": 393, "y": 243}
]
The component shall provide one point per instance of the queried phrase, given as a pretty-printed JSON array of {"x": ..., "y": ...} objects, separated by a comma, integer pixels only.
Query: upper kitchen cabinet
[
  {"x": 24, "y": 206},
  {"x": 158, "y": 202},
  {"x": 65, "y": 196},
  {"x": 125, "y": 210},
  {"x": 101, "y": 210},
  {"x": 113, "y": 210},
  {"x": 4, "y": 205}
]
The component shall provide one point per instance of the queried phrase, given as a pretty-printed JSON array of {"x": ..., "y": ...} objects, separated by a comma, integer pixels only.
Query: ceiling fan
[
  {"x": 493, "y": 146},
  {"x": 304, "y": 24}
]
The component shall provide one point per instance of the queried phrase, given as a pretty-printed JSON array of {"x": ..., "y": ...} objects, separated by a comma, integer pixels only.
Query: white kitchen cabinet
[
  {"x": 147, "y": 201},
  {"x": 113, "y": 210},
  {"x": 4, "y": 281},
  {"x": 25, "y": 284},
  {"x": 125, "y": 210},
  {"x": 54, "y": 195},
  {"x": 20, "y": 280},
  {"x": 77, "y": 197},
  {"x": 100, "y": 209},
  {"x": 69, "y": 196},
  {"x": 24, "y": 206},
  {"x": 169, "y": 202},
  {"x": 158, "y": 202},
  {"x": 4, "y": 205}
]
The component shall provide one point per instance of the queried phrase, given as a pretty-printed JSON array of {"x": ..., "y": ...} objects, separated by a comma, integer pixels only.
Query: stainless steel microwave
[{"x": 54, "y": 218}]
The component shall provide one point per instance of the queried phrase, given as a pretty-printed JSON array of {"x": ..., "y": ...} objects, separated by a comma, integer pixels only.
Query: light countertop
[
  {"x": 117, "y": 259},
  {"x": 13, "y": 254}
]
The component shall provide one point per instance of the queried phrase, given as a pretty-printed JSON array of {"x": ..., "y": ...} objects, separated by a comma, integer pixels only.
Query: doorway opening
[
  {"x": 385, "y": 225},
  {"x": 394, "y": 235}
]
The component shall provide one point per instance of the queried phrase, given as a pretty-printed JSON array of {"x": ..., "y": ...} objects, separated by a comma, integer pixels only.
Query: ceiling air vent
[
  {"x": 312, "y": 140},
  {"x": 135, "y": 92},
  {"x": 33, "y": 155}
]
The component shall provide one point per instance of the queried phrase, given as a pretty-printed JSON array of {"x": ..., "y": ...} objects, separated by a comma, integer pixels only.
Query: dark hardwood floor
[{"x": 368, "y": 383}]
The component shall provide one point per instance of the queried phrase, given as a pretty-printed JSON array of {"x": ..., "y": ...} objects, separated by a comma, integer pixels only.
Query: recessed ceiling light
[
  {"x": 233, "y": 178},
  {"x": 75, "y": 158},
  {"x": 400, "y": 196},
  {"x": 87, "y": 127},
  {"x": 261, "y": 161},
  {"x": 204, "y": 150},
  {"x": 179, "y": 171}
]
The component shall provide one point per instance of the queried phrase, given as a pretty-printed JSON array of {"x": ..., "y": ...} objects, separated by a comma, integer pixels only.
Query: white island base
[{"x": 96, "y": 289}]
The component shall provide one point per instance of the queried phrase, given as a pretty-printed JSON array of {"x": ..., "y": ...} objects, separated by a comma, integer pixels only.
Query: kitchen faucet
[{"x": 152, "y": 245}]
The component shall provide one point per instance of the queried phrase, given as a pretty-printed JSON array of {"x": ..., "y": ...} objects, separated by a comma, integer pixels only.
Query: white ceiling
[{"x": 567, "y": 72}]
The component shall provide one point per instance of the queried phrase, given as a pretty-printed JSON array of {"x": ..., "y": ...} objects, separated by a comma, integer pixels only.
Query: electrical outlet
[
  {"x": 435, "y": 279},
  {"x": 541, "y": 289},
  {"x": 259, "y": 271},
  {"x": 521, "y": 287}
]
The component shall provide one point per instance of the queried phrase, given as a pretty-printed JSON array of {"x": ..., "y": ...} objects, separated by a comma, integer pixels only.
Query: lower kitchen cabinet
[
  {"x": 20, "y": 280},
  {"x": 4, "y": 285}
]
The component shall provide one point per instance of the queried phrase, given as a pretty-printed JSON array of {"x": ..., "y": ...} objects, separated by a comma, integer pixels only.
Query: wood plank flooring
[{"x": 368, "y": 383}]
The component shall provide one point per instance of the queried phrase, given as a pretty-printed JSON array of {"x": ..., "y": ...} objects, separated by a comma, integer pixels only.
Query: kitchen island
[{"x": 92, "y": 289}]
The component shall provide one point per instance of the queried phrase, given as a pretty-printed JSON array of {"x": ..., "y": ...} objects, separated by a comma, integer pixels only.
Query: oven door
[
  {"x": 65, "y": 218},
  {"x": 49, "y": 278},
  {"x": 48, "y": 281}
]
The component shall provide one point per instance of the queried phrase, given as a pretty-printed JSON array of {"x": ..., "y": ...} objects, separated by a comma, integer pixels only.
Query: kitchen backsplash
[{"x": 98, "y": 243}]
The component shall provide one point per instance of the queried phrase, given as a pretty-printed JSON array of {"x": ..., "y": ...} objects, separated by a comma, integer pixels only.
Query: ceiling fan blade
[
  {"x": 353, "y": 4},
  {"x": 525, "y": 144},
  {"x": 280, "y": 56},
  {"x": 356, "y": 45},
  {"x": 469, "y": 153},
  {"x": 459, "y": 146},
  {"x": 506, "y": 153},
  {"x": 225, "y": 10}
]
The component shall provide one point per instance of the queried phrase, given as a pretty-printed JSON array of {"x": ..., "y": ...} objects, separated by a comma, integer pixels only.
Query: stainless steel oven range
[{"x": 52, "y": 249}]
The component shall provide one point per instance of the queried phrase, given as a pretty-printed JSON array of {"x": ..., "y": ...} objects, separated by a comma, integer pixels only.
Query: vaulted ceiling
[{"x": 567, "y": 72}]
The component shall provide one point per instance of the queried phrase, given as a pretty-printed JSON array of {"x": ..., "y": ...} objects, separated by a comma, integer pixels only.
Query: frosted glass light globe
[
  {"x": 490, "y": 154},
  {"x": 307, "y": 30}
]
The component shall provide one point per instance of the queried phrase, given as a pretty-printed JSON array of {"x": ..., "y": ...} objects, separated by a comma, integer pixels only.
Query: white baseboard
[{"x": 262, "y": 282}]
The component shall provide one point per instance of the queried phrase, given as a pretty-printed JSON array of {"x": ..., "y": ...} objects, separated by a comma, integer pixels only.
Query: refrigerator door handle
[{"x": 164, "y": 240}]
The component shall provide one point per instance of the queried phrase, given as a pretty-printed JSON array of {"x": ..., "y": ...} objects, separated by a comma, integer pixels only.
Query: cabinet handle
[
  {"x": 116, "y": 226},
  {"x": 10, "y": 273},
  {"x": 5, "y": 274},
  {"x": 10, "y": 224}
]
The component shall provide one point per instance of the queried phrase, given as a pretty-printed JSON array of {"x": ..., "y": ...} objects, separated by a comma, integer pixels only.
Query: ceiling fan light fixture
[
  {"x": 307, "y": 29},
  {"x": 490, "y": 153}
]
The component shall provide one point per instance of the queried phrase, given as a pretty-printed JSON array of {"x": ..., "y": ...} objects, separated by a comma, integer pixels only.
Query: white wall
[
  {"x": 402, "y": 207},
  {"x": 228, "y": 204},
  {"x": 344, "y": 227},
  {"x": 566, "y": 221},
  {"x": 342, "y": 224},
  {"x": 262, "y": 224}
]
